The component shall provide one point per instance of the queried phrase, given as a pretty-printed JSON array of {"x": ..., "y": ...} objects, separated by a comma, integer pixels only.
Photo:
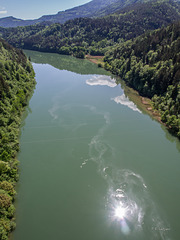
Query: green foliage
[
  {"x": 8, "y": 187},
  {"x": 6, "y": 226},
  {"x": 94, "y": 36},
  {"x": 151, "y": 65},
  {"x": 16, "y": 84}
]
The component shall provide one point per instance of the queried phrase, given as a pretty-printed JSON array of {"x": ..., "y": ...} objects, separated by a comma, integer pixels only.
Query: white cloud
[
  {"x": 123, "y": 100},
  {"x": 102, "y": 81},
  {"x": 3, "y": 11}
]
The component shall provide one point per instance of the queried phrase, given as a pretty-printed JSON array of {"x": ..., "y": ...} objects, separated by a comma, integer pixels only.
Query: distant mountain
[
  {"x": 94, "y": 35},
  {"x": 85, "y": 10},
  {"x": 94, "y": 8},
  {"x": 116, "y": 6},
  {"x": 15, "y": 22}
]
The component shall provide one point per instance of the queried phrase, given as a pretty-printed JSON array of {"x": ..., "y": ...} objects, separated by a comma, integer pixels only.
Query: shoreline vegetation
[
  {"x": 17, "y": 82},
  {"x": 95, "y": 59},
  {"x": 127, "y": 44},
  {"x": 142, "y": 49},
  {"x": 146, "y": 103},
  {"x": 150, "y": 64}
]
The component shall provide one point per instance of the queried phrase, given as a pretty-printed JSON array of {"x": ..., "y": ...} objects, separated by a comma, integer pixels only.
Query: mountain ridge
[
  {"x": 94, "y": 8},
  {"x": 94, "y": 35},
  {"x": 85, "y": 10}
]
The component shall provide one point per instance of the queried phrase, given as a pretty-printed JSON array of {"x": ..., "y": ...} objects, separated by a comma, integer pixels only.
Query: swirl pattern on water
[
  {"x": 129, "y": 206},
  {"x": 131, "y": 210},
  {"x": 129, "y": 191}
]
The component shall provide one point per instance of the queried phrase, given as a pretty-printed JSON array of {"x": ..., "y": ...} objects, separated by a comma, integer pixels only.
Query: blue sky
[{"x": 31, "y": 9}]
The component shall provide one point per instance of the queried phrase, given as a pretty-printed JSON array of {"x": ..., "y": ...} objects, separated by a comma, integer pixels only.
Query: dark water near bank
[{"x": 93, "y": 166}]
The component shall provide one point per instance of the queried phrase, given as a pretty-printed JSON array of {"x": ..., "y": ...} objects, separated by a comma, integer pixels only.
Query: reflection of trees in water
[
  {"x": 64, "y": 62},
  {"x": 171, "y": 138},
  {"x": 81, "y": 66},
  {"x": 134, "y": 97}
]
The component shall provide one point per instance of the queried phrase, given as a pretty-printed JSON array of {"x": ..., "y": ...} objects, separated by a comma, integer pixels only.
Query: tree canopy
[{"x": 16, "y": 84}]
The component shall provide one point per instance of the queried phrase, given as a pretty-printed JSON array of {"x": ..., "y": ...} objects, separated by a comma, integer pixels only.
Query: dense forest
[
  {"x": 151, "y": 65},
  {"x": 94, "y": 36},
  {"x": 16, "y": 84}
]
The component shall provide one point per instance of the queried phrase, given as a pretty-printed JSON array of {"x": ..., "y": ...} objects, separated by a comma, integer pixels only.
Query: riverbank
[
  {"x": 78, "y": 147},
  {"x": 17, "y": 81},
  {"x": 95, "y": 59},
  {"x": 143, "y": 102}
]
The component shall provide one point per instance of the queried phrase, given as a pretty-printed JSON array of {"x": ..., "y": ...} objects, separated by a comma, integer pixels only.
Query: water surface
[{"x": 92, "y": 164}]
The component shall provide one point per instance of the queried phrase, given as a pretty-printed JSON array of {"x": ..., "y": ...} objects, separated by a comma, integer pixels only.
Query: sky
[{"x": 32, "y": 9}]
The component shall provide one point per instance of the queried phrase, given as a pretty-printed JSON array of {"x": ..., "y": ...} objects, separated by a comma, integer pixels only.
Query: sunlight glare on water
[
  {"x": 120, "y": 212},
  {"x": 92, "y": 164}
]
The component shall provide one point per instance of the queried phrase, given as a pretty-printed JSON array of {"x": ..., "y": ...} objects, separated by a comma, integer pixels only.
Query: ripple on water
[
  {"x": 131, "y": 208},
  {"x": 131, "y": 211}
]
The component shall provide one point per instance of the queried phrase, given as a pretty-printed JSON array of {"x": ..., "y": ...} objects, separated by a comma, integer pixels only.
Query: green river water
[{"x": 93, "y": 166}]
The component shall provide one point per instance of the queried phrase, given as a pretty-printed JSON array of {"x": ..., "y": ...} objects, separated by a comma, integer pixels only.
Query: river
[{"x": 93, "y": 165}]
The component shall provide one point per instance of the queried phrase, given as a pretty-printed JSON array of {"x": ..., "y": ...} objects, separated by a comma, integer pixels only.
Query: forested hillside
[
  {"x": 16, "y": 84},
  {"x": 94, "y": 36},
  {"x": 151, "y": 65}
]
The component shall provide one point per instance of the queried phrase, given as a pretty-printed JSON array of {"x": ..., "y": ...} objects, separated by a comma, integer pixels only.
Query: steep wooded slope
[
  {"x": 16, "y": 84},
  {"x": 85, "y": 35},
  {"x": 151, "y": 65}
]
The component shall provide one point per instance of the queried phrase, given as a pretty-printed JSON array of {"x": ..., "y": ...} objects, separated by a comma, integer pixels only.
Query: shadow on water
[
  {"x": 81, "y": 66},
  {"x": 64, "y": 62},
  {"x": 130, "y": 209},
  {"x": 134, "y": 97},
  {"x": 171, "y": 138}
]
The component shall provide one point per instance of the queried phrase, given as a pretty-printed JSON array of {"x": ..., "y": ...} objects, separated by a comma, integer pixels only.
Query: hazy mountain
[
  {"x": 116, "y": 6},
  {"x": 15, "y": 22},
  {"x": 94, "y": 8},
  {"x": 85, "y": 10},
  {"x": 94, "y": 35}
]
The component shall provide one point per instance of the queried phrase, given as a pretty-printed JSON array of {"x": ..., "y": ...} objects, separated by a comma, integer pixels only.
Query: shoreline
[
  {"x": 145, "y": 103},
  {"x": 151, "y": 111},
  {"x": 95, "y": 59}
]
